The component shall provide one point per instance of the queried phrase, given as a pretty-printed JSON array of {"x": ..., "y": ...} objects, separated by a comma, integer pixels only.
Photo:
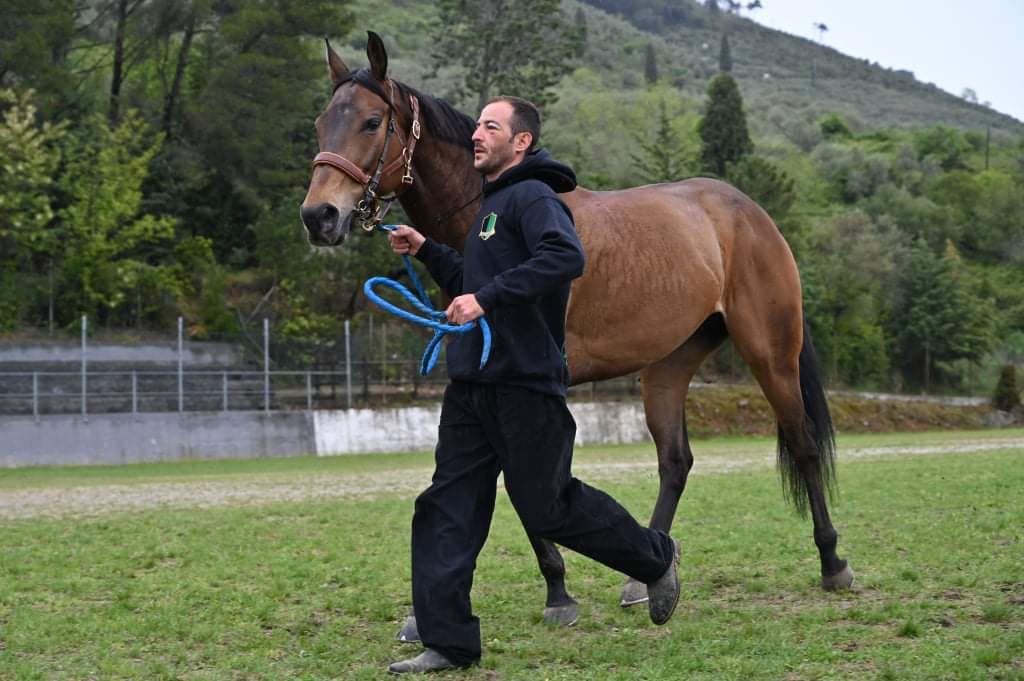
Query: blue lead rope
[{"x": 433, "y": 319}]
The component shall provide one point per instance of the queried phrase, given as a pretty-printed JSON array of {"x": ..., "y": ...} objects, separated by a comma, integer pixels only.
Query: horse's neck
[{"x": 441, "y": 200}]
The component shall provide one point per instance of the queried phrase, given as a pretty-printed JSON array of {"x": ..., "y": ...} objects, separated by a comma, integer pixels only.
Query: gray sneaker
[
  {"x": 663, "y": 593},
  {"x": 428, "y": 661}
]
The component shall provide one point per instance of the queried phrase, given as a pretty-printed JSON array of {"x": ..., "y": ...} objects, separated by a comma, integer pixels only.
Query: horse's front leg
[
  {"x": 560, "y": 609},
  {"x": 665, "y": 385}
]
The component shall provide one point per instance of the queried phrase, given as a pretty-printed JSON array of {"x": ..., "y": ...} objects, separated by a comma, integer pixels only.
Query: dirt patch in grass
[{"x": 91, "y": 500}]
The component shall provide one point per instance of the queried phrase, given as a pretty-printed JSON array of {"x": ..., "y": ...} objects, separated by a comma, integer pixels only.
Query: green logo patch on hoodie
[{"x": 487, "y": 226}]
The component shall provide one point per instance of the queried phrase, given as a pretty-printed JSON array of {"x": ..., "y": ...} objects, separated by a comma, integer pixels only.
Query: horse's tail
[{"x": 796, "y": 472}]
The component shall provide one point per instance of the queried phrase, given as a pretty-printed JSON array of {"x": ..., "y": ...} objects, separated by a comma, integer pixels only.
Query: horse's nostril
[
  {"x": 328, "y": 217},
  {"x": 319, "y": 219}
]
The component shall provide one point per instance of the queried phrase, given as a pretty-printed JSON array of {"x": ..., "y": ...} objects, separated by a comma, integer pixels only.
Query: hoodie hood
[{"x": 537, "y": 165}]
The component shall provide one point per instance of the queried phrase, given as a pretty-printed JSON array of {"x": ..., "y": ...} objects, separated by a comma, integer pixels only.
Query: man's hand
[
  {"x": 464, "y": 309},
  {"x": 405, "y": 240}
]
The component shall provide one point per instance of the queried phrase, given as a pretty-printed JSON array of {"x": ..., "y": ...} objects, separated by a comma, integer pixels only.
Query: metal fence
[
  {"x": 354, "y": 381},
  {"x": 65, "y": 392}
]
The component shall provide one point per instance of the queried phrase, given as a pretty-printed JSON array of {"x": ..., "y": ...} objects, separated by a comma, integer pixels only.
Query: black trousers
[{"x": 527, "y": 435}]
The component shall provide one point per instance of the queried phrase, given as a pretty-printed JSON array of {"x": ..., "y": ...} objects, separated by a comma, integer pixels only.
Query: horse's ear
[
  {"x": 378, "y": 55},
  {"x": 335, "y": 66}
]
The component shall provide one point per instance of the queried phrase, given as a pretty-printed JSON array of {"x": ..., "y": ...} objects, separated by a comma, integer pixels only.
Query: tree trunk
[
  {"x": 171, "y": 102},
  {"x": 485, "y": 83},
  {"x": 927, "y": 366},
  {"x": 835, "y": 353},
  {"x": 50, "y": 305},
  {"x": 117, "y": 77}
]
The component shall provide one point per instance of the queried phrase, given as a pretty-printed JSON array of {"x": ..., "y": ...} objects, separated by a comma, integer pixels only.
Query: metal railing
[
  {"x": 38, "y": 393},
  {"x": 301, "y": 381},
  {"x": 367, "y": 384}
]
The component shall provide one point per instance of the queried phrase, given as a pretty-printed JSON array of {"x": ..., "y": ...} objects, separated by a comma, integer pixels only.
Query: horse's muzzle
[{"x": 324, "y": 224}]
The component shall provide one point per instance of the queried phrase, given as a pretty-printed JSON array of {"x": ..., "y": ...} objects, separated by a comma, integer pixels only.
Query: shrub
[{"x": 1007, "y": 396}]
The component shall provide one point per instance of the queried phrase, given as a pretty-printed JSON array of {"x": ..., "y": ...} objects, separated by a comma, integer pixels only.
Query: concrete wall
[
  {"x": 219, "y": 354},
  {"x": 122, "y": 438}
]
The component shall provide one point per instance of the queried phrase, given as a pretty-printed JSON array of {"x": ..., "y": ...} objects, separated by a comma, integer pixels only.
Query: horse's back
[{"x": 660, "y": 260}]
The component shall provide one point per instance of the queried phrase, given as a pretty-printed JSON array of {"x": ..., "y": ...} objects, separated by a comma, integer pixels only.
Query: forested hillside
[
  {"x": 153, "y": 154},
  {"x": 796, "y": 75}
]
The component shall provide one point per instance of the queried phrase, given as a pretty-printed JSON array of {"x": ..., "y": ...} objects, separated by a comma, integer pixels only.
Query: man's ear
[{"x": 522, "y": 141}]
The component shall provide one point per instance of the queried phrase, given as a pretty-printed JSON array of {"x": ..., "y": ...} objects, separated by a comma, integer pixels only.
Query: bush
[{"x": 1007, "y": 396}]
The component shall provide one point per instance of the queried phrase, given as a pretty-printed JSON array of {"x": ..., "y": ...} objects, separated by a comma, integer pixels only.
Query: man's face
[{"x": 495, "y": 148}]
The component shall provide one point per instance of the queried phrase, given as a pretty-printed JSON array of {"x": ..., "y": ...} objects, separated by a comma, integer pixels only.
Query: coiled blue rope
[{"x": 431, "y": 318}]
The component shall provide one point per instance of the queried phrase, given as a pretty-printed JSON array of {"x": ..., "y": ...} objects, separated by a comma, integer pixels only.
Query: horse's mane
[{"x": 444, "y": 121}]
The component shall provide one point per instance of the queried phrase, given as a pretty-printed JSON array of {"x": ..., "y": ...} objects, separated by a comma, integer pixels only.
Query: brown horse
[{"x": 672, "y": 270}]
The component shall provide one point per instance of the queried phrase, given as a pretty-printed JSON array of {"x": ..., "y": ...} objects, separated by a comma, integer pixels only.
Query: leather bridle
[{"x": 371, "y": 209}]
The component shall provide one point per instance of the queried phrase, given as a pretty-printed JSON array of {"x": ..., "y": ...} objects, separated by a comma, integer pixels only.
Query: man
[{"x": 510, "y": 416}]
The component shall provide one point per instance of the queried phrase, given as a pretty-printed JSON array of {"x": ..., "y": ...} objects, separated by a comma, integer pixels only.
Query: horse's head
[{"x": 363, "y": 147}]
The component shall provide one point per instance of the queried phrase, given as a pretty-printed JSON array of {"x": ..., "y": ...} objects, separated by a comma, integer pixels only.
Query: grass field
[{"x": 314, "y": 587}]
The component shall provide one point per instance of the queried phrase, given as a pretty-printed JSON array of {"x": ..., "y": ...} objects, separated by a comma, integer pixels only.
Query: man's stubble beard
[{"x": 495, "y": 161}]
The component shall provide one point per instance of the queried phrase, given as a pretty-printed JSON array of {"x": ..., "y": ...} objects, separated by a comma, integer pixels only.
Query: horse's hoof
[
  {"x": 840, "y": 581},
  {"x": 409, "y": 633},
  {"x": 562, "y": 615},
  {"x": 634, "y": 593}
]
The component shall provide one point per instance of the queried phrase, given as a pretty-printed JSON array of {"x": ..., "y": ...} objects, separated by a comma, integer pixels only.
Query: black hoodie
[{"x": 520, "y": 257}]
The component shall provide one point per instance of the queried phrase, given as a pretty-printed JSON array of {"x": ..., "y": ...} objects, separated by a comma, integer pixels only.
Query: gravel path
[{"x": 93, "y": 500}]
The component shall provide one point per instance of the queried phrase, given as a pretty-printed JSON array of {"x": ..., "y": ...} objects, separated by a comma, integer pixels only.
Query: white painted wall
[{"x": 413, "y": 429}]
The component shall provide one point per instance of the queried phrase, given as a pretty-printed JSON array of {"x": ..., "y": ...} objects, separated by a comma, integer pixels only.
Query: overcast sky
[{"x": 955, "y": 44}]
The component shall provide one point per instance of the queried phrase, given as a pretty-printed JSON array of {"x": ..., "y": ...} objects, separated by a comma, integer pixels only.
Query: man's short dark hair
[{"x": 525, "y": 117}]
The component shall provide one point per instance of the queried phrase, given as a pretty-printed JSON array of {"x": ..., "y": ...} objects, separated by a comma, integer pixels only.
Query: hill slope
[
  {"x": 775, "y": 69},
  {"x": 772, "y": 67}
]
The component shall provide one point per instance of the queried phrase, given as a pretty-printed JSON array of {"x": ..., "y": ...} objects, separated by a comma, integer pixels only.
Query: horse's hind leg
[
  {"x": 665, "y": 385},
  {"x": 560, "y": 608},
  {"x": 781, "y": 357}
]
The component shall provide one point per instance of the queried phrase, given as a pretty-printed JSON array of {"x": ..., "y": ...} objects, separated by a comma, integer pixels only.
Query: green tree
[
  {"x": 515, "y": 48},
  {"x": 854, "y": 259},
  {"x": 110, "y": 249},
  {"x": 917, "y": 216},
  {"x": 240, "y": 115},
  {"x": 764, "y": 182},
  {"x": 937, "y": 316},
  {"x": 35, "y": 39},
  {"x": 581, "y": 27},
  {"x": 723, "y": 129},
  {"x": 946, "y": 145},
  {"x": 1006, "y": 396},
  {"x": 664, "y": 159},
  {"x": 998, "y": 233},
  {"x": 724, "y": 55},
  {"x": 852, "y": 173},
  {"x": 834, "y": 127},
  {"x": 29, "y": 156},
  {"x": 651, "y": 65}
]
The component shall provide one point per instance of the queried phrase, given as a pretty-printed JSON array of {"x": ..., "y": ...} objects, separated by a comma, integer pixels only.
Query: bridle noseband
[{"x": 371, "y": 209}]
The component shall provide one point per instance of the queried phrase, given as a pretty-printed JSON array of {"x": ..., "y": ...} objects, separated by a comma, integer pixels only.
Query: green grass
[{"x": 316, "y": 590}]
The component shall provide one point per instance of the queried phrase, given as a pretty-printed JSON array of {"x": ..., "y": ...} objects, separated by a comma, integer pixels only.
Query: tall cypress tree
[
  {"x": 725, "y": 55},
  {"x": 651, "y": 66},
  {"x": 581, "y": 26},
  {"x": 723, "y": 129}
]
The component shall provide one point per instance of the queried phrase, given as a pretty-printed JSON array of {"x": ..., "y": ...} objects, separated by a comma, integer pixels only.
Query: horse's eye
[{"x": 372, "y": 124}]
